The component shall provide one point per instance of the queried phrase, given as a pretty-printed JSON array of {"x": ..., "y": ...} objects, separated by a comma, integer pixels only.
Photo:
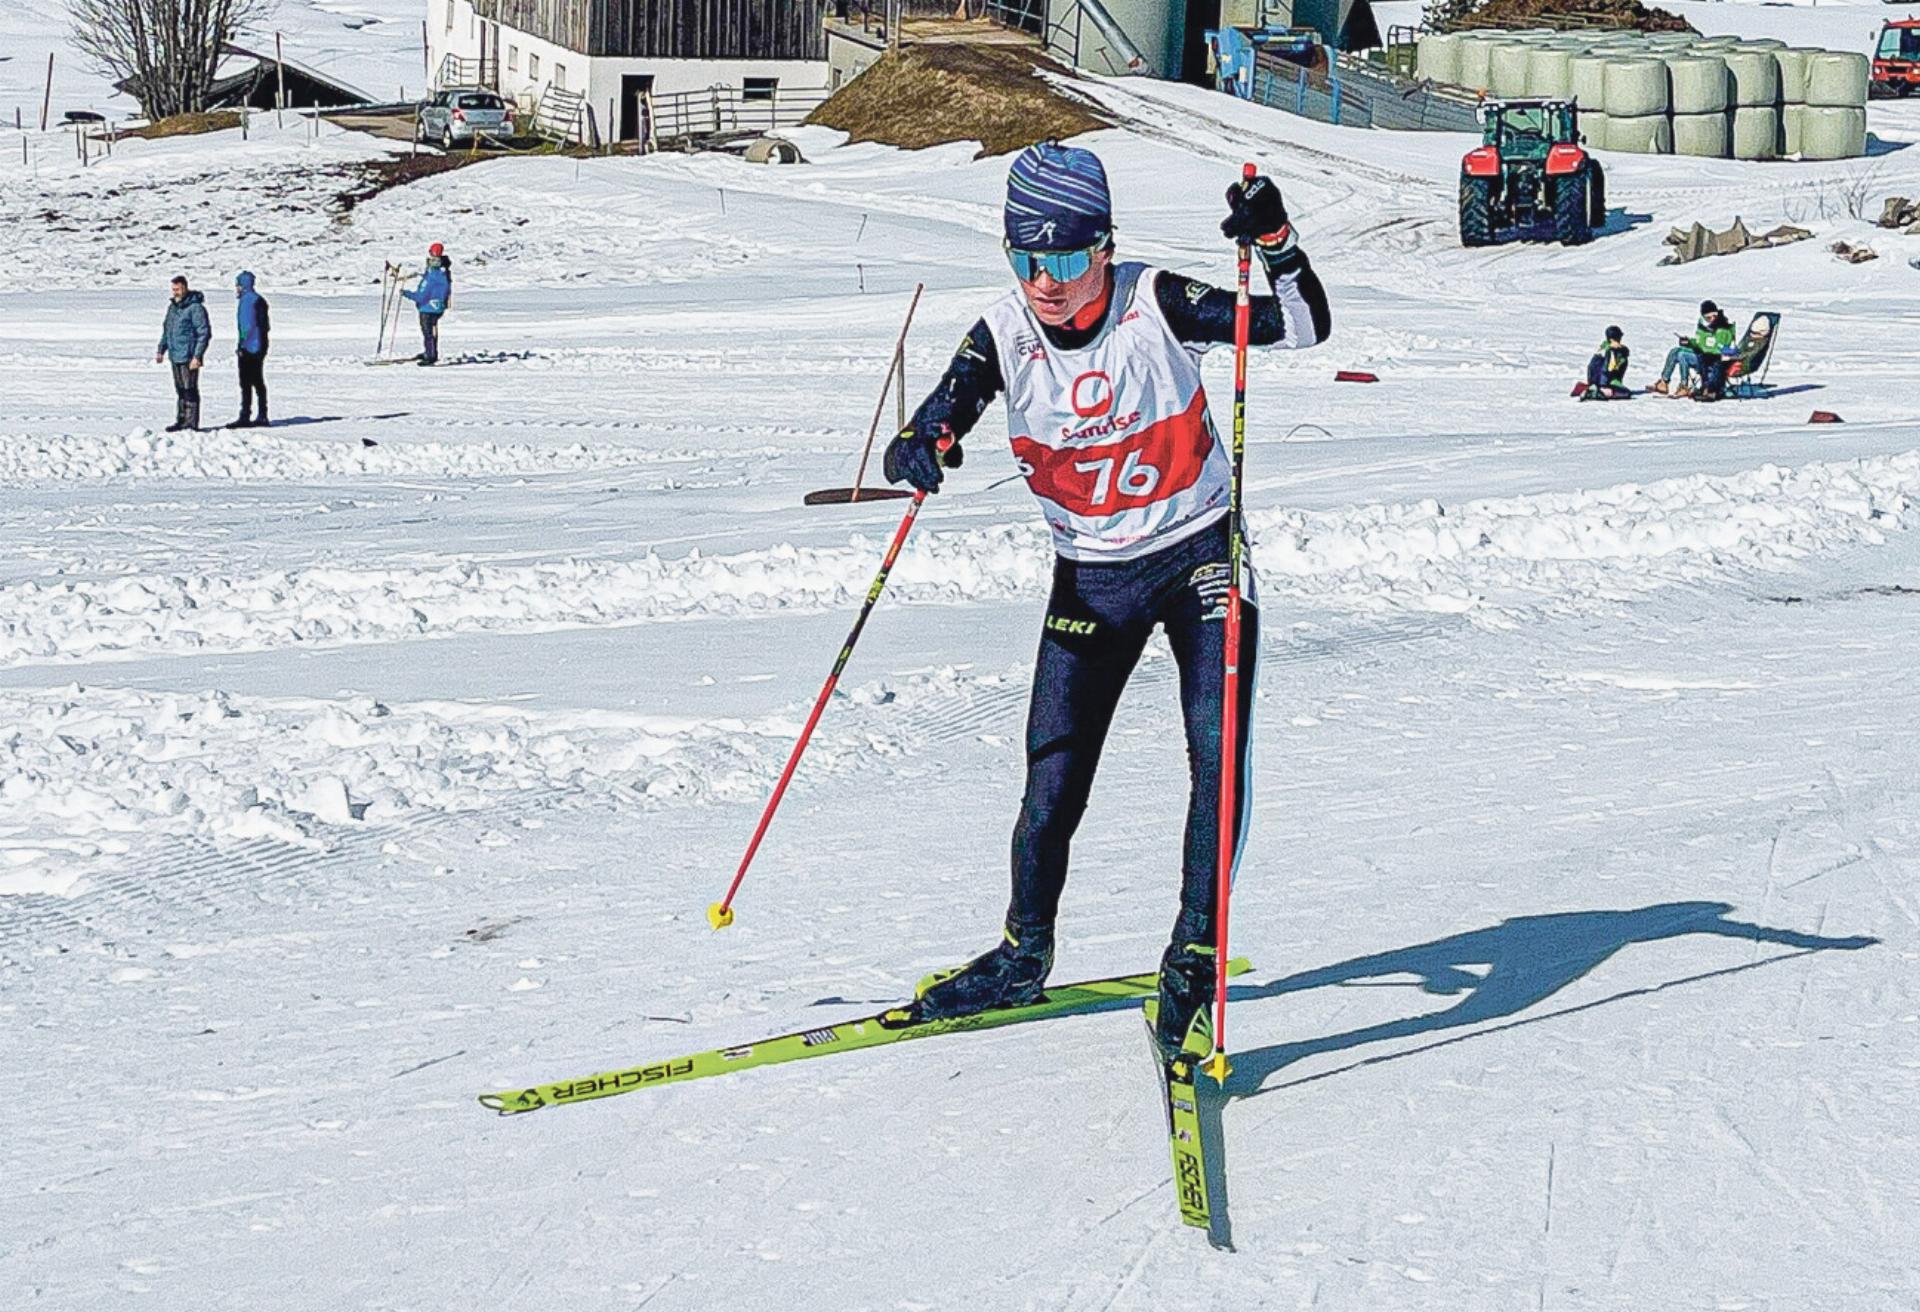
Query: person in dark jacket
[
  {"x": 184, "y": 338},
  {"x": 254, "y": 328},
  {"x": 432, "y": 297},
  {"x": 1607, "y": 370}
]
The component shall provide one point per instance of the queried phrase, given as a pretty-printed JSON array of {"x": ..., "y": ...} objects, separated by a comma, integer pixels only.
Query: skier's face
[{"x": 1056, "y": 303}]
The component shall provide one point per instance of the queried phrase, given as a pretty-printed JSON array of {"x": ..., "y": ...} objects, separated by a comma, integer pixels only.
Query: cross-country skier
[{"x": 1100, "y": 364}]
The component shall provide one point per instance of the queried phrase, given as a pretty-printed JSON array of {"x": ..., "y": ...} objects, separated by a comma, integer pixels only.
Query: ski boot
[
  {"x": 1186, "y": 994},
  {"x": 1012, "y": 974}
]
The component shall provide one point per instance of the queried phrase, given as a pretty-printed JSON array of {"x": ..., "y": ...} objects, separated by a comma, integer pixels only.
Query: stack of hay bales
[{"x": 1670, "y": 92}]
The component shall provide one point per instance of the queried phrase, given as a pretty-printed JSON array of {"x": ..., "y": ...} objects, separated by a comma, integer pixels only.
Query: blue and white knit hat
[{"x": 1057, "y": 199}]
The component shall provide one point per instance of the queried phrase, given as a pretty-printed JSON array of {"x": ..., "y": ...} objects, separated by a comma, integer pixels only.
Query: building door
[
  {"x": 1201, "y": 15},
  {"x": 632, "y": 87}
]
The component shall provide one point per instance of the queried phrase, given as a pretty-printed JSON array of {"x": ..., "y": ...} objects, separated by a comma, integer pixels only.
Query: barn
[{"x": 611, "y": 55}]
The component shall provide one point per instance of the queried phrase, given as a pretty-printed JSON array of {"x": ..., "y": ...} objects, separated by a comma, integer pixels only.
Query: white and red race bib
[{"x": 1114, "y": 439}]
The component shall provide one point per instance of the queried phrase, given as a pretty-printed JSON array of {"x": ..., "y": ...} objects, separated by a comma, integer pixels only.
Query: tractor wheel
[
  {"x": 1596, "y": 195},
  {"x": 1569, "y": 198},
  {"x": 1476, "y": 211}
]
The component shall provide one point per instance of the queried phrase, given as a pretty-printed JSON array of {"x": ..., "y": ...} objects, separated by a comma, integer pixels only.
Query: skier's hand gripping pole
[
  {"x": 720, "y": 914},
  {"x": 1230, "y": 690}
]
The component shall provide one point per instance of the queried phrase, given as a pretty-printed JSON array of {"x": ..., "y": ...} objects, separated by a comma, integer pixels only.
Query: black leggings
[
  {"x": 1098, "y": 621},
  {"x": 253, "y": 381}
]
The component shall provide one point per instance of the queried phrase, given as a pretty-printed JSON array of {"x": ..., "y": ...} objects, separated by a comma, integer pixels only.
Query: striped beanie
[{"x": 1057, "y": 199}]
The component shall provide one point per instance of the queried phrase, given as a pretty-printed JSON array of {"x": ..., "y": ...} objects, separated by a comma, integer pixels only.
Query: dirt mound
[
  {"x": 1574, "y": 14},
  {"x": 186, "y": 125},
  {"x": 927, "y": 95}
]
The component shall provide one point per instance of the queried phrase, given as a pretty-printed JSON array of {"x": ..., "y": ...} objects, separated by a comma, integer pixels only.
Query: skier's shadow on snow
[{"x": 1520, "y": 963}]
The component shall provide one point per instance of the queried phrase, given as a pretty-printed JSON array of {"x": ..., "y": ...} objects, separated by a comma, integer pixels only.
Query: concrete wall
[
  {"x": 1157, "y": 27},
  {"x": 849, "y": 54}
]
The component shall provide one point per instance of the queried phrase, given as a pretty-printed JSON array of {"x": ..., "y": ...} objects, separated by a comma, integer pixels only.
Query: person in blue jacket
[
  {"x": 432, "y": 297},
  {"x": 184, "y": 338},
  {"x": 254, "y": 328}
]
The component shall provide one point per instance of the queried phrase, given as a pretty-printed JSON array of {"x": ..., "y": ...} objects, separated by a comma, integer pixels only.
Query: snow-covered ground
[{"x": 356, "y": 767}]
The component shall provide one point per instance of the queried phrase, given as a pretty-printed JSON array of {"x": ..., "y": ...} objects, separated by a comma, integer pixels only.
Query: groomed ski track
[{"x": 344, "y": 783}]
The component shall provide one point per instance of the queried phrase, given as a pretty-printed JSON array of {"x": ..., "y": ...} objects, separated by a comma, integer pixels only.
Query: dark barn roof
[{"x": 671, "y": 29}]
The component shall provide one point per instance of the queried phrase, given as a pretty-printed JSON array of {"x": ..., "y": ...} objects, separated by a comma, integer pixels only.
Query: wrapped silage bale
[
  {"x": 1792, "y": 62},
  {"x": 1508, "y": 68},
  {"x": 1635, "y": 88},
  {"x": 1701, "y": 135},
  {"x": 1838, "y": 78},
  {"x": 1791, "y": 117},
  {"x": 1549, "y": 72},
  {"x": 1640, "y": 134},
  {"x": 1754, "y": 77},
  {"x": 1438, "y": 57},
  {"x": 1587, "y": 82},
  {"x": 1475, "y": 53},
  {"x": 1756, "y": 132},
  {"x": 1593, "y": 129},
  {"x": 1697, "y": 84},
  {"x": 1761, "y": 43},
  {"x": 1832, "y": 131}
]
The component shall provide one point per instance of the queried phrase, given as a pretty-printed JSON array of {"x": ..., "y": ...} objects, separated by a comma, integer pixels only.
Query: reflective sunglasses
[{"x": 1061, "y": 266}]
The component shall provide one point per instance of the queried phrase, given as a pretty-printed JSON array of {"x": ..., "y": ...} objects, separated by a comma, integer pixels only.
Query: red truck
[{"x": 1896, "y": 60}]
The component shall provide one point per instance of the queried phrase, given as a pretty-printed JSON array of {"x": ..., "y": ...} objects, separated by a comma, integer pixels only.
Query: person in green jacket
[{"x": 1700, "y": 353}]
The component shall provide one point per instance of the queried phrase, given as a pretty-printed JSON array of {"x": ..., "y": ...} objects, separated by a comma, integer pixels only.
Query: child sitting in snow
[{"x": 1607, "y": 370}]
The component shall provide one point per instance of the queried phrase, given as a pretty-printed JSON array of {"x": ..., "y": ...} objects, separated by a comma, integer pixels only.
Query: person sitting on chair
[{"x": 1712, "y": 335}]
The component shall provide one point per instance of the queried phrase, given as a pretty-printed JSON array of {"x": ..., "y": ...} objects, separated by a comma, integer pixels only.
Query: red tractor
[
  {"x": 1896, "y": 60},
  {"x": 1530, "y": 171}
]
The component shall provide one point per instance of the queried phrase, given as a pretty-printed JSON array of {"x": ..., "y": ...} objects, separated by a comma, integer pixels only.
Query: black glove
[
  {"x": 1258, "y": 213},
  {"x": 914, "y": 457}
]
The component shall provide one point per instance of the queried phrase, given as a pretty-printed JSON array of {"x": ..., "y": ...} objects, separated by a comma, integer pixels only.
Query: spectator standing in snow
[
  {"x": 184, "y": 338},
  {"x": 1607, "y": 370},
  {"x": 432, "y": 297},
  {"x": 254, "y": 327}
]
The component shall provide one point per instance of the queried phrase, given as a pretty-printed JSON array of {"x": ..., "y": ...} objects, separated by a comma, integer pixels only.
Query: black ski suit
[{"x": 1101, "y": 613}]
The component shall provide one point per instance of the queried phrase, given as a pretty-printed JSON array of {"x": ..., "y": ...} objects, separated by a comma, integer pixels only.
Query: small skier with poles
[{"x": 1100, "y": 364}]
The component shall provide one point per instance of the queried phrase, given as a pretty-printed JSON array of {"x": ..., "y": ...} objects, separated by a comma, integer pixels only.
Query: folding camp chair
[{"x": 1747, "y": 375}]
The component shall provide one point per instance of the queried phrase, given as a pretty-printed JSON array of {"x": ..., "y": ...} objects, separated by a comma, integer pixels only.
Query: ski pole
[
  {"x": 1230, "y": 691},
  {"x": 720, "y": 914}
]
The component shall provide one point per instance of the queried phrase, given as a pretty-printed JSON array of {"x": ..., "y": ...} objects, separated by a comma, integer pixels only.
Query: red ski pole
[
  {"x": 720, "y": 914},
  {"x": 1230, "y": 690}
]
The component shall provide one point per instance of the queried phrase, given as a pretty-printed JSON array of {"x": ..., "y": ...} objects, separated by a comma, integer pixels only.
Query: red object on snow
[
  {"x": 1825, "y": 417},
  {"x": 1354, "y": 376},
  {"x": 1579, "y": 389}
]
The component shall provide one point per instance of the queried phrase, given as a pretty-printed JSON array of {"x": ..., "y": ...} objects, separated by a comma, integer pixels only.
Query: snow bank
[
  {"x": 258, "y": 456},
  {"x": 82, "y": 768},
  {"x": 1496, "y": 560}
]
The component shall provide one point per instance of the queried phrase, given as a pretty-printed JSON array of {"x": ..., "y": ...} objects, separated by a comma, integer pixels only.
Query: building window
[
  {"x": 449, "y": 15},
  {"x": 759, "y": 88},
  {"x": 559, "y": 77},
  {"x": 513, "y": 59},
  {"x": 533, "y": 66}
]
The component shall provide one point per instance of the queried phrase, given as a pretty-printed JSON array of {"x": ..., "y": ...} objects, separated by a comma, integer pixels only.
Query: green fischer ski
[
  {"x": 845, "y": 1036},
  {"x": 1177, "y": 1085}
]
